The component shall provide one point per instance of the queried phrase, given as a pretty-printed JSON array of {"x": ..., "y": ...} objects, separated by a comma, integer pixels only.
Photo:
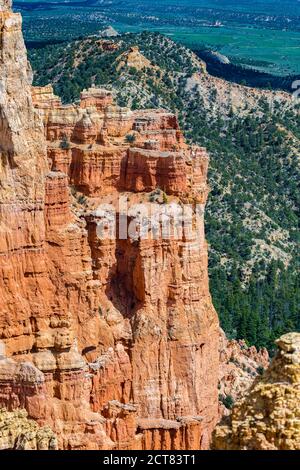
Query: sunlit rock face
[
  {"x": 113, "y": 343},
  {"x": 268, "y": 417}
]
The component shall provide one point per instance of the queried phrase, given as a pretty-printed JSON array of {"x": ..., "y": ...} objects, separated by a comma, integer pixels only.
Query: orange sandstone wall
[{"x": 113, "y": 343}]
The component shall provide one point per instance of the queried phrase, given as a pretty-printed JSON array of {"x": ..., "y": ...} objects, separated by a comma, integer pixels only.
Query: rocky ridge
[
  {"x": 113, "y": 343},
  {"x": 240, "y": 365}
]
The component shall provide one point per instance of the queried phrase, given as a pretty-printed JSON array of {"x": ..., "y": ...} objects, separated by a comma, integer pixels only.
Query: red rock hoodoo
[{"x": 112, "y": 342}]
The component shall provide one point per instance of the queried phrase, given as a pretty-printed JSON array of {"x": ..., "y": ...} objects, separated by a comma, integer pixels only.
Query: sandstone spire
[
  {"x": 22, "y": 144},
  {"x": 268, "y": 417}
]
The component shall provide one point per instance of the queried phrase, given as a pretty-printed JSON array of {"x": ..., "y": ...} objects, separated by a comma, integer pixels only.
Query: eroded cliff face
[
  {"x": 268, "y": 417},
  {"x": 23, "y": 166},
  {"x": 112, "y": 341}
]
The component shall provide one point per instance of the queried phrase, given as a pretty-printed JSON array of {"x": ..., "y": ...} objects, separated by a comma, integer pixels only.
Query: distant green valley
[{"x": 260, "y": 34}]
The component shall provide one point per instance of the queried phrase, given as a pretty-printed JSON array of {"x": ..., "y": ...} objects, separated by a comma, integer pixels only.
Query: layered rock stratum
[
  {"x": 268, "y": 418},
  {"x": 112, "y": 342}
]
